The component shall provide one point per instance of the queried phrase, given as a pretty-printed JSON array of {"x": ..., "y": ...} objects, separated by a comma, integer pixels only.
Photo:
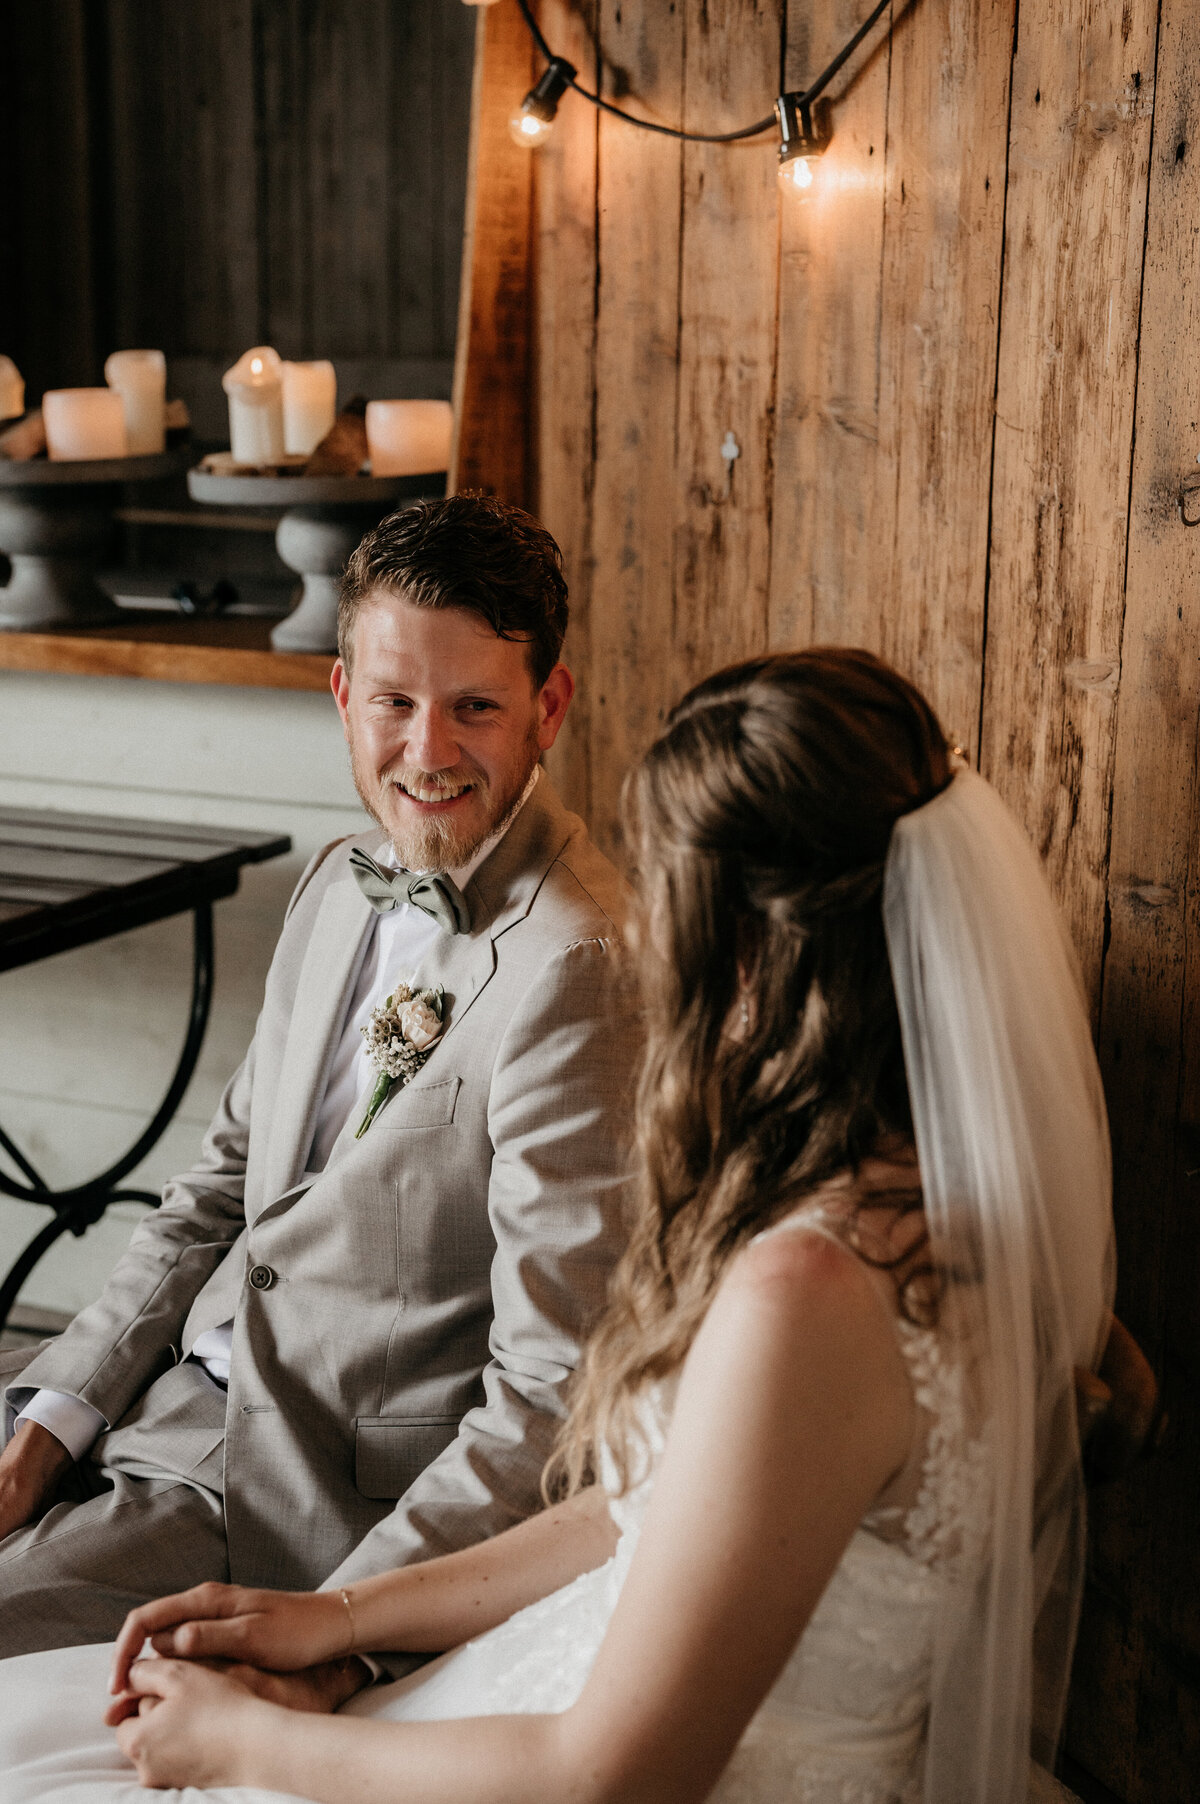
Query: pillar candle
[
  {"x": 140, "y": 378},
  {"x": 309, "y": 405},
  {"x": 408, "y": 438},
  {"x": 255, "y": 389},
  {"x": 12, "y": 390},
  {"x": 83, "y": 424}
]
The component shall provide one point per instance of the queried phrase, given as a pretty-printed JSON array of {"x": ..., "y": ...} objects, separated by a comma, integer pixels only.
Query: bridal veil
[{"x": 1013, "y": 1146}]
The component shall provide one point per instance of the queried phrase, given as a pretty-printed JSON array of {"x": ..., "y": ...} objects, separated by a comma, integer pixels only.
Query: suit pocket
[
  {"x": 420, "y": 1105},
  {"x": 391, "y": 1452}
]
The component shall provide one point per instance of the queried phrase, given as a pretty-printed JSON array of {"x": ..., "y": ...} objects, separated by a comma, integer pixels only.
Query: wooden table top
[{"x": 70, "y": 879}]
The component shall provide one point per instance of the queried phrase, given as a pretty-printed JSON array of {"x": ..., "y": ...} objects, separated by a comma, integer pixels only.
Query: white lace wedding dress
[{"x": 843, "y": 1723}]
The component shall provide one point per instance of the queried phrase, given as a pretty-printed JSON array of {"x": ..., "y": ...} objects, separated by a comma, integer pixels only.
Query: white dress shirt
[{"x": 393, "y": 947}]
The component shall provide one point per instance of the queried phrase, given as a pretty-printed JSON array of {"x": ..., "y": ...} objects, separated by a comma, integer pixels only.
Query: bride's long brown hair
[{"x": 760, "y": 820}]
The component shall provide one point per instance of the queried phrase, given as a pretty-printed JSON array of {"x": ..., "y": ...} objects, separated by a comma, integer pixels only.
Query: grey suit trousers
[{"x": 121, "y": 1530}]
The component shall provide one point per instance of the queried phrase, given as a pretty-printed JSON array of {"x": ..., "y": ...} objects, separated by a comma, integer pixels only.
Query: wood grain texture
[
  {"x": 726, "y": 390},
  {"x": 185, "y": 195},
  {"x": 564, "y": 364},
  {"x": 491, "y": 448},
  {"x": 943, "y": 226},
  {"x": 1136, "y": 1711},
  {"x": 1081, "y": 121},
  {"x": 363, "y": 130},
  {"x": 826, "y": 520},
  {"x": 636, "y": 402},
  {"x": 235, "y": 652}
]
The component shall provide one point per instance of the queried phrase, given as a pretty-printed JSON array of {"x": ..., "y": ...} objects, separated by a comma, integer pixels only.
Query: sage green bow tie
[{"x": 432, "y": 892}]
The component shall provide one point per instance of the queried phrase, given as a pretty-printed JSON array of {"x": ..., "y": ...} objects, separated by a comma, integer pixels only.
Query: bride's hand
[
  {"x": 284, "y": 1630},
  {"x": 194, "y": 1726},
  {"x": 318, "y": 1689}
]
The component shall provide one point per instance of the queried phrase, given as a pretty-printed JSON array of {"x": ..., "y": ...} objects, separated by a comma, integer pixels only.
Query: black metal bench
[{"x": 68, "y": 880}]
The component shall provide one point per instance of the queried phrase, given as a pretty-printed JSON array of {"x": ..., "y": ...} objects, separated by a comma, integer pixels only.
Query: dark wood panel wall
[
  {"x": 964, "y": 389},
  {"x": 206, "y": 177}
]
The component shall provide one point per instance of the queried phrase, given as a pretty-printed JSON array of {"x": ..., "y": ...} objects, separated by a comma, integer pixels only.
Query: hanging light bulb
[
  {"x": 533, "y": 120},
  {"x": 802, "y": 142},
  {"x": 798, "y": 173}
]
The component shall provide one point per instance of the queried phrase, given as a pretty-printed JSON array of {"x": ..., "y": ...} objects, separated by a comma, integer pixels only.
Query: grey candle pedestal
[
  {"x": 325, "y": 519},
  {"x": 56, "y": 529}
]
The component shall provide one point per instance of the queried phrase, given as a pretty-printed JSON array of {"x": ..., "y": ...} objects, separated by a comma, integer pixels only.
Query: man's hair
[{"x": 469, "y": 551}]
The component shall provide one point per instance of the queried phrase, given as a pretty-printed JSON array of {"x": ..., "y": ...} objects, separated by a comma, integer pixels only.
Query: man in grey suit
[{"x": 333, "y": 1350}]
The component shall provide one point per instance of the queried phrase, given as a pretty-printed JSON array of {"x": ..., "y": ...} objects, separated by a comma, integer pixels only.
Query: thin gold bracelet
[{"x": 345, "y": 1597}]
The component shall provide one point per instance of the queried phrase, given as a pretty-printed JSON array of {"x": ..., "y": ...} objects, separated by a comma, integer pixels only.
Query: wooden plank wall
[{"x": 964, "y": 388}]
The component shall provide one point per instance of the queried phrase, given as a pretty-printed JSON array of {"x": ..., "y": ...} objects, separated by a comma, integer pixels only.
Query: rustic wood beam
[{"x": 492, "y": 387}]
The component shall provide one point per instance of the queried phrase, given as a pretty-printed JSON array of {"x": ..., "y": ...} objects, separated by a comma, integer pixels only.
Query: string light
[
  {"x": 533, "y": 120},
  {"x": 803, "y": 135},
  {"x": 803, "y": 124}
]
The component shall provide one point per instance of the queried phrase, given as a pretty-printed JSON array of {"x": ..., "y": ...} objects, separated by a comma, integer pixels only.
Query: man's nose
[{"x": 431, "y": 743}]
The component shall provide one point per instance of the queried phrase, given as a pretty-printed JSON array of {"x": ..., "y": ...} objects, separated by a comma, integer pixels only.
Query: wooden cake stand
[{"x": 325, "y": 519}]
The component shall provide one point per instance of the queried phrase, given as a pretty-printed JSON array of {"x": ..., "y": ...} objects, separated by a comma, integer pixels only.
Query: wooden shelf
[{"x": 165, "y": 649}]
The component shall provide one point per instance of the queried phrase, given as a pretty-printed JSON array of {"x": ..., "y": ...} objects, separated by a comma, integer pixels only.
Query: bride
[{"x": 819, "y": 1493}]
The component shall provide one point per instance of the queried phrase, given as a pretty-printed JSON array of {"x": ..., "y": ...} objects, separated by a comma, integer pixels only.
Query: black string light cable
[{"x": 803, "y": 132}]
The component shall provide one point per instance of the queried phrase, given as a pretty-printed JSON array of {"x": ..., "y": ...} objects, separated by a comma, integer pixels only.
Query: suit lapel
[
  {"x": 327, "y": 975},
  {"x": 501, "y": 893}
]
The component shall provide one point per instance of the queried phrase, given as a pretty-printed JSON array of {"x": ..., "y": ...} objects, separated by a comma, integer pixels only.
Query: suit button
[{"x": 261, "y": 1277}]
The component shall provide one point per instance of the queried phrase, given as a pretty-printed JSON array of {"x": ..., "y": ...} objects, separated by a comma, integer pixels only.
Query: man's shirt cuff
[{"x": 75, "y": 1423}]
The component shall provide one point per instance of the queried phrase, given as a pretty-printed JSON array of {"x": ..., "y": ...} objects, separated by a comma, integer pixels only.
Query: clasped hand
[{"x": 225, "y": 1652}]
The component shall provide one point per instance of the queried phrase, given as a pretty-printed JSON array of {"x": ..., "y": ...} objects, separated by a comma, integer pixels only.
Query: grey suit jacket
[{"x": 400, "y": 1358}]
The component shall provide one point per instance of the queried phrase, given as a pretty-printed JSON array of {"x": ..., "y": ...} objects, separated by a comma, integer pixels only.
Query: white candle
[
  {"x": 12, "y": 390},
  {"x": 83, "y": 424},
  {"x": 408, "y": 438},
  {"x": 309, "y": 405},
  {"x": 140, "y": 378},
  {"x": 255, "y": 389}
]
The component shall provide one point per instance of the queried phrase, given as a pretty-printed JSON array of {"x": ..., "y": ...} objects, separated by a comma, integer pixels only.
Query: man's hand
[
  {"x": 320, "y": 1689},
  {"x": 30, "y": 1468}
]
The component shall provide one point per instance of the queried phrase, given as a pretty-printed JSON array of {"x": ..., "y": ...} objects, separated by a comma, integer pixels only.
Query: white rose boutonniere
[{"x": 400, "y": 1036}]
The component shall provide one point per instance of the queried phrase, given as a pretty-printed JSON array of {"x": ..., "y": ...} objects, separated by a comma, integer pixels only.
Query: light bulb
[
  {"x": 533, "y": 120},
  {"x": 803, "y": 136},
  {"x": 798, "y": 176},
  {"x": 528, "y": 130}
]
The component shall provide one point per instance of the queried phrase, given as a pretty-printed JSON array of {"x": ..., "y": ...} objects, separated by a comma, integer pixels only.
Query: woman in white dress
[{"x": 821, "y": 1480}]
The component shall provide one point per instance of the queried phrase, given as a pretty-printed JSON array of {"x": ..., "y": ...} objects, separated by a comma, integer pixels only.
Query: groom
[{"x": 332, "y": 1351}]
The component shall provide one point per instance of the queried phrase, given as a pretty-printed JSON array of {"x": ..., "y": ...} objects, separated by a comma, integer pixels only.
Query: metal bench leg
[{"x": 76, "y": 1208}]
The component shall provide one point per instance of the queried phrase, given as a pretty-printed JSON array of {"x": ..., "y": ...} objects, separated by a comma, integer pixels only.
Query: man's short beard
[{"x": 437, "y": 844}]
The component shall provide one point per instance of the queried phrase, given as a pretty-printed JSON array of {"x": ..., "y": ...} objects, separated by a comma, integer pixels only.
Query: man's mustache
[{"x": 449, "y": 782}]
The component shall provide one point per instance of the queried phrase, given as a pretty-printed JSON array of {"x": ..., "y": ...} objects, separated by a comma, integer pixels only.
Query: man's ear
[
  {"x": 339, "y": 682},
  {"x": 553, "y": 701}
]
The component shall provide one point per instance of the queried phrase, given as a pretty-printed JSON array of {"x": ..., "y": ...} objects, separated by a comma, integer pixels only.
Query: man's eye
[{"x": 478, "y": 707}]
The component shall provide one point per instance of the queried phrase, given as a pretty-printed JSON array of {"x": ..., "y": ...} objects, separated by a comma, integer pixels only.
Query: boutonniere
[{"x": 400, "y": 1037}]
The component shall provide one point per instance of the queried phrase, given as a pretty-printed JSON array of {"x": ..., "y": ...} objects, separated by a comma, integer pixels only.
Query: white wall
[{"x": 88, "y": 1040}]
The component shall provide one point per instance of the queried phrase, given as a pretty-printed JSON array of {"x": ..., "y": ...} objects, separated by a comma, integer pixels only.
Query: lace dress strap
[{"x": 937, "y": 1501}]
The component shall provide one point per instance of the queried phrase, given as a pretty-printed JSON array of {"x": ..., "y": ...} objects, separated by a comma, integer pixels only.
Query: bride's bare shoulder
[
  {"x": 846, "y": 1240},
  {"x": 807, "y": 1270}
]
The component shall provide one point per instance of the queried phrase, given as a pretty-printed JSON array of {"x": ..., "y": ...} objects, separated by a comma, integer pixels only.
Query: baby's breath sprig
[{"x": 400, "y": 1036}]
